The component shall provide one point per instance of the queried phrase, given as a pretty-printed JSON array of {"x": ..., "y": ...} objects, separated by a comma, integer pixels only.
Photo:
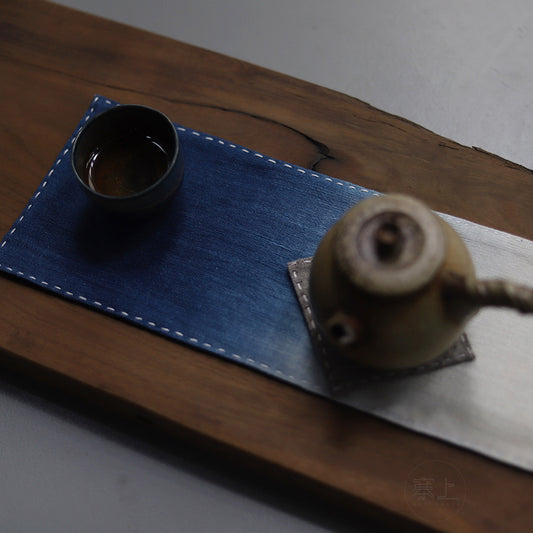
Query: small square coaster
[{"x": 343, "y": 373}]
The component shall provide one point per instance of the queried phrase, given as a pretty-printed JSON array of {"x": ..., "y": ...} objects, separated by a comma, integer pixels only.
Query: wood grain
[{"x": 52, "y": 61}]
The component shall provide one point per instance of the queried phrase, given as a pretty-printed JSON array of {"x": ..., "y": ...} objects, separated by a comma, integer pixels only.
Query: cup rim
[{"x": 147, "y": 190}]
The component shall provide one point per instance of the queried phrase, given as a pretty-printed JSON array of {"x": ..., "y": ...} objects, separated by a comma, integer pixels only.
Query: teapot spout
[{"x": 470, "y": 294}]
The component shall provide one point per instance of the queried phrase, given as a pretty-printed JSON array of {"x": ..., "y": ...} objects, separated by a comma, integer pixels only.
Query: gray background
[{"x": 461, "y": 68}]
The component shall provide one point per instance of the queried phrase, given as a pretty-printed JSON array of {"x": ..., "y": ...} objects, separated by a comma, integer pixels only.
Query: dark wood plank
[{"x": 49, "y": 77}]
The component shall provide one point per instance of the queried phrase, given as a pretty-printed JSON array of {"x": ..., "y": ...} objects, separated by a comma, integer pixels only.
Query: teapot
[{"x": 392, "y": 285}]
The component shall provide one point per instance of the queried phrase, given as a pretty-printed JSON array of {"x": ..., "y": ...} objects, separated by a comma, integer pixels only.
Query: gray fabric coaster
[{"x": 343, "y": 373}]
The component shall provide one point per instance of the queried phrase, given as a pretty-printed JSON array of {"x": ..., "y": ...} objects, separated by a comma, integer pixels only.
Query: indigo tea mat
[{"x": 211, "y": 271}]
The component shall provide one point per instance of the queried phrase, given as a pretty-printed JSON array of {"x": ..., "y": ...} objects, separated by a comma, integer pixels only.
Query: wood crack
[
  {"x": 321, "y": 148},
  {"x": 444, "y": 144},
  {"x": 506, "y": 162}
]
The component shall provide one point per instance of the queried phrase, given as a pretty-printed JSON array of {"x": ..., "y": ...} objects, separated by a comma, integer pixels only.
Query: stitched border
[
  {"x": 152, "y": 326},
  {"x": 277, "y": 162}
]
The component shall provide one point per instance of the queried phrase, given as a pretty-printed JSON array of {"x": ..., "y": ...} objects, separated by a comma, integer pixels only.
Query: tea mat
[
  {"x": 344, "y": 374},
  {"x": 211, "y": 271}
]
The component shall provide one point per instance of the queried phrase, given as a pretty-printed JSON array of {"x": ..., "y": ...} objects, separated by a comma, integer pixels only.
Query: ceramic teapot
[{"x": 392, "y": 285}]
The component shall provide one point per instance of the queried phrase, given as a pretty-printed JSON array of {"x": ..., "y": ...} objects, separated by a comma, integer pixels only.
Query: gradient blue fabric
[{"x": 209, "y": 271}]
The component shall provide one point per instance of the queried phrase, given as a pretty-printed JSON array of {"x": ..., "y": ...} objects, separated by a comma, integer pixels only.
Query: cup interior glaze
[{"x": 128, "y": 159}]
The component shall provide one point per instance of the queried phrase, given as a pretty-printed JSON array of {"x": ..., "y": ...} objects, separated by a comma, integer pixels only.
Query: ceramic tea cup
[{"x": 128, "y": 159}]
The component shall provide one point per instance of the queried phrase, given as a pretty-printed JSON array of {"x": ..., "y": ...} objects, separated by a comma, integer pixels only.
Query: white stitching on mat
[
  {"x": 335, "y": 384},
  {"x": 166, "y": 330}
]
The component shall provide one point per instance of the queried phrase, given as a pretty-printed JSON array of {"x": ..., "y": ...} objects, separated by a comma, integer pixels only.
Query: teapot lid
[{"x": 390, "y": 245}]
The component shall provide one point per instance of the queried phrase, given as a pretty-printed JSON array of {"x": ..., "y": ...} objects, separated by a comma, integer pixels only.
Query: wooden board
[{"x": 52, "y": 61}]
